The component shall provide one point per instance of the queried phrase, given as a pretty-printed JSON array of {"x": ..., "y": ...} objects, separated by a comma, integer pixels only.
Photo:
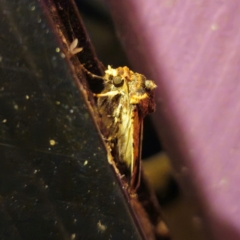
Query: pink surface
[{"x": 192, "y": 50}]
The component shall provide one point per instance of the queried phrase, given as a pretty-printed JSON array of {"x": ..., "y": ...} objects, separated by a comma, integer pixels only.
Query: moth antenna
[
  {"x": 74, "y": 50},
  {"x": 91, "y": 74}
]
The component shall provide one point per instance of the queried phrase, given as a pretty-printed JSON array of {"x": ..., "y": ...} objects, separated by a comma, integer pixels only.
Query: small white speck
[
  {"x": 15, "y": 107},
  {"x": 57, "y": 103},
  {"x": 71, "y": 111},
  {"x": 35, "y": 171},
  {"x": 85, "y": 163},
  {"x": 62, "y": 55},
  {"x": 57, "y": 49},
  {"x": 75, "y": 220},
  {"x": 73, "y": 236},
  {"x": 33, "y": 8},
  {"x": 27, "y": 97},
  {"x": 214, "y": 27},
  {"x": 52, "y": 142},
  {"x": 101, "y": 227},
  {"x": 46, "y": 186},
  {"x": 4, "y": 120}
]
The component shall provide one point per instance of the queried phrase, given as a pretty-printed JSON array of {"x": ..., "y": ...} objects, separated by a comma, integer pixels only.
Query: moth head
[
  {"x": 115, "y": 76},
  {"x": 118, "y": 81}
]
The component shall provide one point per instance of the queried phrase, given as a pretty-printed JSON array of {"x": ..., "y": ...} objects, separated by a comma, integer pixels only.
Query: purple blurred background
[{"x": 192, "y": 50}]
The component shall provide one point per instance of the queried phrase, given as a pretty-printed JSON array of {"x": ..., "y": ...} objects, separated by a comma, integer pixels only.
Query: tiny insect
[{"x": 126, "y": 99}]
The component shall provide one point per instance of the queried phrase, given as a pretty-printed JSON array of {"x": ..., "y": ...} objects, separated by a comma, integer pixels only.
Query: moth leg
[
  {"x": 73, "y": 49},
  {"x": 135, "y": 99},
  {"x": 117, "y": 114},
  {"x": 109, "y": 142},
  {"x": 91, "y": 74},
  {"x": 107, "y": 94},
  {"x": 107, "y": 139},
  {"x": 118, "y": 110}
]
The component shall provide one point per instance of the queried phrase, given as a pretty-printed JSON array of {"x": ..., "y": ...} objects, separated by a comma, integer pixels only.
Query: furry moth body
[{"x": 126, "y": 99}]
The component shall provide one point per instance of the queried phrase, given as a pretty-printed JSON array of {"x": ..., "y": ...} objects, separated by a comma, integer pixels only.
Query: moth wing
[{"x": 137, "y": 135}]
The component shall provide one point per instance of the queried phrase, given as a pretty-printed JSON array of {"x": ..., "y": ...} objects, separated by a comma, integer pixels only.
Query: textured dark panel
[{"x": 55, "y": 179}]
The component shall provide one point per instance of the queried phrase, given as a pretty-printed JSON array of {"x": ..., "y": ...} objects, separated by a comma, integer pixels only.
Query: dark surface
[{"x": 55, "y": 180}]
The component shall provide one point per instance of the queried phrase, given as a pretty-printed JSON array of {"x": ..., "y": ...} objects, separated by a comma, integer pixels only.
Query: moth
[{"x": 127, "y": 97}]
